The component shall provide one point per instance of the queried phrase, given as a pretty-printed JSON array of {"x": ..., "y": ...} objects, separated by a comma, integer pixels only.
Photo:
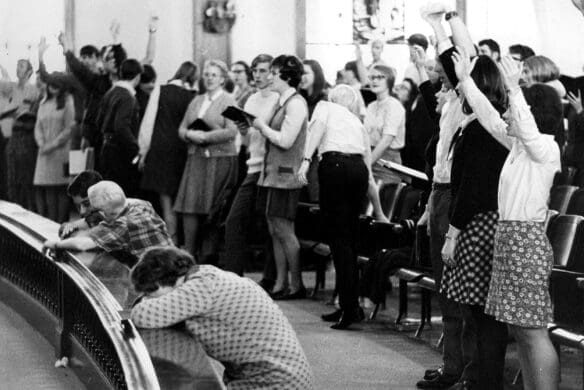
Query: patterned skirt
[
  {"x": 519, "y": 291},
  {"x": 468, "y": 281}
]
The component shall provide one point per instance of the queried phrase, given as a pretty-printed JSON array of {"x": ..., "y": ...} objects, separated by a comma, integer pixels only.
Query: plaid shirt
[{"x": 136, "y": 229}]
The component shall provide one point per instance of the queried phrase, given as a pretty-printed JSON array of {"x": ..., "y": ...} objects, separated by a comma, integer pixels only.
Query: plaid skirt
[
  {"x": 468, "y": 281},
  {"x": 522, "y": 264}
]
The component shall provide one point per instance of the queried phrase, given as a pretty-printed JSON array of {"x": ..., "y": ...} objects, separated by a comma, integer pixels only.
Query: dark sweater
[
  {"x": 477, "y": 162},
  {"x": 118, "y": 120}
]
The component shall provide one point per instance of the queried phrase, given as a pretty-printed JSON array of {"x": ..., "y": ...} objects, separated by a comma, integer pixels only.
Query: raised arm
[
  {"x": 361, "y": 68},
  {"x": 487, "y": 115},
  {"x": 151, "y": 45},
  {"x": 85, "y": 76}
]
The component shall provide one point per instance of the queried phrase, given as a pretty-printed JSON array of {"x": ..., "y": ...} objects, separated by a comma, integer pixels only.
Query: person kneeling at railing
[
  {"x": 233, "y": 318},
  {"x": 129, "y": 226}
]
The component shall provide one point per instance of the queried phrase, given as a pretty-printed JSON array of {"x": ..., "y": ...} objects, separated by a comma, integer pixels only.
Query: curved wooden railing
[{"x": 69, "y": 306}]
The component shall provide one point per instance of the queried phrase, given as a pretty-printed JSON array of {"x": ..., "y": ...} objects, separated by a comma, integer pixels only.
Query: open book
[
  {"x": 402, "y": 169},
  {"x": 236, "y": 114}
]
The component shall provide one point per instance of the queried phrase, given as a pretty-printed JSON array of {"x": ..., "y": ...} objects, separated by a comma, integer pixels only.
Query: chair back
[
  {"x": 388, "y": 196},
  {"x": 565, "y": 177},
  {"x": 560, "y": 197},
  {"x": 566, "y": 235},
  {"x": 576, "y": 204}
]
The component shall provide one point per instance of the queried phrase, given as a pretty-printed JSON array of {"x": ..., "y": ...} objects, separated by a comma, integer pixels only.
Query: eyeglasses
[{"x": 377, "y": 77}]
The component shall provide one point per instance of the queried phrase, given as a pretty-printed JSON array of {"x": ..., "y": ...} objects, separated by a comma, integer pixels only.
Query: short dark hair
[
  {"x": 261, "y": 58},
  {"x": 489, "y": 81},
  {"x": 160, "y": 266},
  {"x": 130, "y": 68},
  {"x": 492, "y": 44},
  {"x": 352, "y": 66},
  {"x": 246, "y": 68},
  {"x": 291, "y": 69},
  {"x": 89, "y": 51},
  {"x": 524, "y": 51},
  {"x": 418, "y": 39},
  {"x": 148, "y": 74},
  {"x": 546, "y": 107},
  {"x": 82, "y": 182}
]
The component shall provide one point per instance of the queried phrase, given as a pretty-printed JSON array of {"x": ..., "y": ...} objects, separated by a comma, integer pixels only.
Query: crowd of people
[{"x": 487, "y": 128}]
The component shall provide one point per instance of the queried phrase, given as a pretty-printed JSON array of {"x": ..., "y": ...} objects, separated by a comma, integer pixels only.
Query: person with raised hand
[
  {"x": 523, "y": 257},
  {"x": 477, "y": 159},
  {"x": 459, "y": 356}
]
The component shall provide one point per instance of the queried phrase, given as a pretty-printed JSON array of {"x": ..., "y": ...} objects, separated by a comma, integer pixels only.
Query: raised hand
[
  {"x": 463, "y": 65},
  {"x": 43, "y": 46},
  {"x": 433, "y": 12},
  {"x": 418, "y": 56},
  {"x": 63, "y": 41},
  {"x": 511, "y": 71},
  {"x": 358, "y": 53},
  {"x": 575, "y": 101},
  {"x": 115, "y": 30},
  {"x": 153, "y": 24}
]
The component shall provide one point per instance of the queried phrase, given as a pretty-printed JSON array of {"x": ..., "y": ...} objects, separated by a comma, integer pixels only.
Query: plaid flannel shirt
[{"x": 136, "y": 229}]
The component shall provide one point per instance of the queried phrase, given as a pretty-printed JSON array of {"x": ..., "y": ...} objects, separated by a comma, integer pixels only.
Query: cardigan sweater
[{"x": 221, "y": 137}]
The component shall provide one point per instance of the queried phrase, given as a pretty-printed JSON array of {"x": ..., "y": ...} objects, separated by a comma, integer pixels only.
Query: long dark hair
[
  {"x": 187, "y": 71},
  {"x": 61, "y": 95},
  {"x": 319, "y": 81},
  {"x": 488, "y": 79}
]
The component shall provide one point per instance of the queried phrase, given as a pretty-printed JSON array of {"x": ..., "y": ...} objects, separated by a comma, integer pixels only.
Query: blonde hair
[
  {"x": 345, "y": 96},
  {"x": 540, "y": 69},
  {"x": 107, "y": 196},
  {"x": 222, "y": 66}
]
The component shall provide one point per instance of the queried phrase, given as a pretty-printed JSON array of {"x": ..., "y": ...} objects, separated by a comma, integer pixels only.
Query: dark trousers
[
  {"x": 460, "y": 345},
  {"x": 343, "y": 184},
  {"x": 116, "y": 165},
  {"x": 491, "y": 348},
  {"x": 243, "y": 224}
]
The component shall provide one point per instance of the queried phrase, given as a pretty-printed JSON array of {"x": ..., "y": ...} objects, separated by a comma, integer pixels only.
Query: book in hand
[
  {"x": 236, "y": 114},
  {"x": 402, "y": 169},
  {"x": 8, "y": 113},
  {"x": 199, "y": 124}
]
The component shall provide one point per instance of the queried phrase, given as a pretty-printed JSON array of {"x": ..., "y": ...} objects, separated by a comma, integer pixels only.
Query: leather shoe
[
  {"x": 440, "y": 381},
  {"x": 433, "y": 372},
  {"x": 266, "y": 284},
  {"x": 298, "y": 294},
  {"x": 348, "y": 318},
  {"x": 332, "y": 317},
  {"x": 280, "y": 293}
]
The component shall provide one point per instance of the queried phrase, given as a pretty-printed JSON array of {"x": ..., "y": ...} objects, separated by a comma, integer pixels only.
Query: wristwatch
[{"x": 450, "y": 15}]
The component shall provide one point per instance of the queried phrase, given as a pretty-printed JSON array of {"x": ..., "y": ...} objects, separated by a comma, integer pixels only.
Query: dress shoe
[
  {"x": 348, "y": 318},
  {"x": 433, "y": 372},
  {"x": 332, "y": 317},
  {"x": 280, "y": 293},
  {"x": 440, "y": 381},
  {"x": 298, "y": 294}
]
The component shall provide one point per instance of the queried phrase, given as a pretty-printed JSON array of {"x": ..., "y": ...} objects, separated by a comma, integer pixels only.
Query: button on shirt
[
  {"x": 528, "y": 173},
  {"x": 450, "y": 121},
  {"x": 343, "y": 131}
]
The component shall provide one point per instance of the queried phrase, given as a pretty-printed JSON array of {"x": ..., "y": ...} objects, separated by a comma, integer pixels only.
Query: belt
[
  {"x": 440, "y": 186},
  {"x": 342, "y": 155}
]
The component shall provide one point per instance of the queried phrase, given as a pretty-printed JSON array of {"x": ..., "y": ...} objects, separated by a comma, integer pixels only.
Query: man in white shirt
[{"x": 242, "y": 215}]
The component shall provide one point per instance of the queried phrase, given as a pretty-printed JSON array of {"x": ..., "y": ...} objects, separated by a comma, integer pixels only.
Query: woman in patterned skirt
[
  {"x": 523, "y": 258},
  {"x": 235, "y": 321},
  {"x": 477, "y": 159}
]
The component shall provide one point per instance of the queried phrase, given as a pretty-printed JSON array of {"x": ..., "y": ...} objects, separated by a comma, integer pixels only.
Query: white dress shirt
[
  {"x": 343, "y": 131},
  {"x": 450, "y": 121},
  {"x": 528, "y": 173}
]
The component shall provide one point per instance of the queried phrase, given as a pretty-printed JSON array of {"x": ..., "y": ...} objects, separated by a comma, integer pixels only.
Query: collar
[
  {"x": 285, "y": 95},
  {"x": 467, "y": 119},
  {"x": 178, "y": 83},
  {"x": 215, "y": 95},
  {"x": 126, "y": 85}
]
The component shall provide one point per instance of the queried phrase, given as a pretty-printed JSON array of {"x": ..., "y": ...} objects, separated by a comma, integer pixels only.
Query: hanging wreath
[{"x": 219, "y": 16}]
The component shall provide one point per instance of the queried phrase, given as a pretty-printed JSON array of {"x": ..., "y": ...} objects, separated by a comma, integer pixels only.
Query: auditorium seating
[
  {"x": 560, "y": 197},
  {"x": 576, "y": 203}
]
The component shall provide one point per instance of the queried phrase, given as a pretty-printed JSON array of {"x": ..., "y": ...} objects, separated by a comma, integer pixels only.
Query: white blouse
[{"x": 528, "y": 173}]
